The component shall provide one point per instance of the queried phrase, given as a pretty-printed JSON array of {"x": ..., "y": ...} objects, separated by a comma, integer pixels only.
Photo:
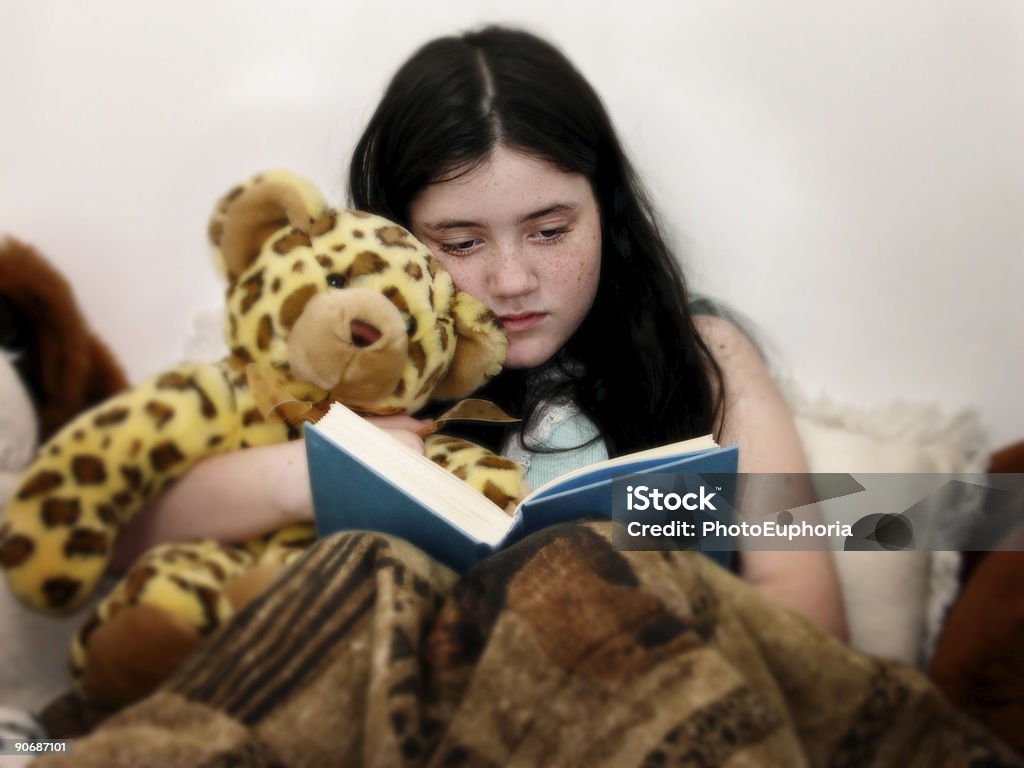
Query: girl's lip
[{"x": 521, "y": 322}]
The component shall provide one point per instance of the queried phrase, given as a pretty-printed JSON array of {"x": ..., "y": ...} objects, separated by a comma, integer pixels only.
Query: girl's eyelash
[
  {"x": 462, "y": 246},
  {"x": 556, "y": 234},
  {"x": 549, "y": 236}
]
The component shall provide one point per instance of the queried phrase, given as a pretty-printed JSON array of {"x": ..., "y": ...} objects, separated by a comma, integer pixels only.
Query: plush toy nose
[
  {"x": 364, "y": 334},
  {"x": 351, "y": 342}
]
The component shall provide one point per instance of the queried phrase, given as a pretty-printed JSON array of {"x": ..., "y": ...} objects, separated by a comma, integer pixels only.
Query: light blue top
[{"x": 560, "y": 425}]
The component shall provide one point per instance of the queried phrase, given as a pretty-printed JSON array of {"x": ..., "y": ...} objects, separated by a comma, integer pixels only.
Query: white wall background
[{"x": 850, "y": 176}]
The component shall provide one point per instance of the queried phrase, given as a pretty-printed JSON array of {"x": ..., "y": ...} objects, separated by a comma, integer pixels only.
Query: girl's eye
[
  {"x": 461, "y": 247},
  {"x": 552, "y": 235}
]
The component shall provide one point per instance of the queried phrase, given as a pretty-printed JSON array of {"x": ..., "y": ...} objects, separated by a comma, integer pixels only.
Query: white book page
[{"x": 438, "y": 489}]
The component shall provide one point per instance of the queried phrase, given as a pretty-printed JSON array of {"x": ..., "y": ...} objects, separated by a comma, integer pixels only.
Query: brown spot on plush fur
[
  {"x": 417, "y": 356},
  {"x": 496, "y": 462},
  {"x": 395, "y": 237},
  {"x": 496, "y": 494},
  {"x": 137, "y": 581},
  {"x": 433, "y": 266},
  {"x": 61, "y": 590},
  {"x": 159, "y": 413},
  {"x": 110, "y": 417},
  {"x": 230, "y": 197},
  {"x": 264, "y": 333},
  {"x": 172, "y": 380},
  {"x": 327, "y": 221},
  {"x": 132, "y": 476},
  {"x": 252, "y": 288},
  {"x": 107, "y": 514},
  {"x": 448, "y": 442},
  {"x": 88, "y": 470},
  {"x": 215, "y": 231},
  {"x": 294, "y": 239},
  {"x": 40, "y": 483},
  {"x": 366, "y": 263},
  {"x": 431, "y": 381},
  {"x": 292, "y": 307},
  {"x": 414, "y": 270},
  {"x": 251, "y": 416},
  {"x": 15, "y": 550},
  {"x": 86, "y": 543},
  {"x": 396, "y": 297},
  {"x": 324, "y": 261},
  {"x": 164, "y": 456},
  {"x": 60, "y": 512}
]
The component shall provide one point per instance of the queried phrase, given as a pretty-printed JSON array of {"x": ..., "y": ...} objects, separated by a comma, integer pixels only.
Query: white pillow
[{"x": 895, "y": 601}]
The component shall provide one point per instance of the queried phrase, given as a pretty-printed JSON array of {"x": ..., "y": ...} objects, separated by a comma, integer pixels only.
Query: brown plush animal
[
  {"x": 979, "y": 658},
  {"x": 65, "y": 367}
]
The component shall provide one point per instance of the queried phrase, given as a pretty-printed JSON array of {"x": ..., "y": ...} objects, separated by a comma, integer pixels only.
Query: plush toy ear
[
  {"x": 246, "y": 216},
  {"x": 480, "y": 349}
]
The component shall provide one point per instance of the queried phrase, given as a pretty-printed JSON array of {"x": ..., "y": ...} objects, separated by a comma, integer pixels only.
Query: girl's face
[{"x": 524, "y": 238}]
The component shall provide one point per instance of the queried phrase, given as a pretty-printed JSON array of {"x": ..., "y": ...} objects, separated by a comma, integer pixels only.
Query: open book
[{"x": 362, "y": 479}]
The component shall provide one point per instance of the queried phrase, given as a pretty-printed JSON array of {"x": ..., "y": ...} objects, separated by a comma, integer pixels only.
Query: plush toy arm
[
  {"x": 99, "y": 471},
  {"x": 499, "y": 479}
]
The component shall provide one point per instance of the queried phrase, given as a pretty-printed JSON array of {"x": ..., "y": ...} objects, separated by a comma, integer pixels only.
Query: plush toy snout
[{"x": 352, "y": 342}]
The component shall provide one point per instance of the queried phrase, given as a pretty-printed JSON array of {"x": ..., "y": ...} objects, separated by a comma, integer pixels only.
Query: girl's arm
[
  {"x": 235, "y": 496},
  {"x": 759, "y": 422}
]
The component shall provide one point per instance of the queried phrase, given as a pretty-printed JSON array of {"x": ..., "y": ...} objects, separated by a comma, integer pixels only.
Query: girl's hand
[{"x": 405, "y": 429}]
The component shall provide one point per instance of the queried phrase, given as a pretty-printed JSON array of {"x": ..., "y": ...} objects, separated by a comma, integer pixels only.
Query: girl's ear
[
  {"x": 245, "y": 217},
  {"x": 479, "y": 349}
]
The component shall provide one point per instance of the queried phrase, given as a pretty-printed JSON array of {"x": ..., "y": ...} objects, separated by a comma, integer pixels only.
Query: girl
[{"x": 499, "y": 156}]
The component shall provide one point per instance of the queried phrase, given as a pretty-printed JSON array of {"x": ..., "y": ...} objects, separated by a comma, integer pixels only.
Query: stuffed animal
[
  {"x": 52, "y": 367},
  {"x": 323, "y": 305},
  {"x": 62, "y": 363}
]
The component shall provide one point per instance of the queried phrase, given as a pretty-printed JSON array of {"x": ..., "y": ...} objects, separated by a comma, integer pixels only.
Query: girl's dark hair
[{"x": 636, "y": 366}]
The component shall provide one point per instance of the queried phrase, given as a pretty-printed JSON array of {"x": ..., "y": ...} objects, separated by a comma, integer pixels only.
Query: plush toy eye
[
  {"x": 410, "y": 325},
  {"x": 336, "y": 280}
]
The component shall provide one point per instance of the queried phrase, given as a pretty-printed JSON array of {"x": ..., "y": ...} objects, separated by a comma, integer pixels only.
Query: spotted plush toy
[{"x": 323, "y": 305}]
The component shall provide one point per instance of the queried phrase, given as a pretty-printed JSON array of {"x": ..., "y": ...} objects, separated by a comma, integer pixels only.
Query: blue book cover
[{"x": 361, "y": 479}]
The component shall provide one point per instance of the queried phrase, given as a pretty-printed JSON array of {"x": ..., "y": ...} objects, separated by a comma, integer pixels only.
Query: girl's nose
[{"x": 511, "y": 274}]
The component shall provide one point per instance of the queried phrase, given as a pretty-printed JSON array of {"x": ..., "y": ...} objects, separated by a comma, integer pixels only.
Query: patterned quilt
[{"x": 559, "y": 651}]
